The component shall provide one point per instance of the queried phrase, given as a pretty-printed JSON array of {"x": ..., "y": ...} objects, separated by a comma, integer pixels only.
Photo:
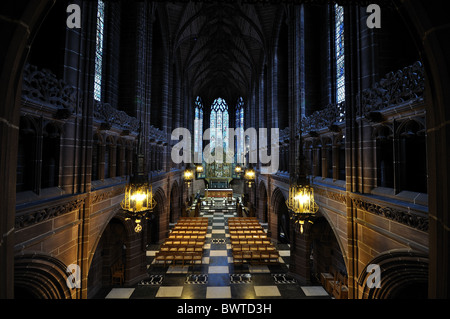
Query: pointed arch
[
  {"x": 403, "y": 274},
  {"x": 40, "y": 276}
]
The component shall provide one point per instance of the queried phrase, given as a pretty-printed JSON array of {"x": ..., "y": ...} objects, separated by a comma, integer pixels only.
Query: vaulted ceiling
[{"x": 220, "y": 48}]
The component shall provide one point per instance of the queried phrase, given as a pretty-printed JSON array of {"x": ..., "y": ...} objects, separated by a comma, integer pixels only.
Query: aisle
[{"x": 217, "y": 276}]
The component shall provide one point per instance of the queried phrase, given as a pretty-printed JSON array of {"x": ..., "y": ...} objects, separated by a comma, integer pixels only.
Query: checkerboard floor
[{"x": 217, "y": 276}]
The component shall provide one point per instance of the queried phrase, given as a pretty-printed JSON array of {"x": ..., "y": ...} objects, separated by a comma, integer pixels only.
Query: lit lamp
[
  {"x": 188, "y": 176},
  {"x": 301, "y": 202},
  {"x": 138, "y": 200},
  {"x": 199, "y": 168},
  {"x": 238, "y": 170},
  {"x": 199, "y": 171},
  {"x": 249, "y": 175}
]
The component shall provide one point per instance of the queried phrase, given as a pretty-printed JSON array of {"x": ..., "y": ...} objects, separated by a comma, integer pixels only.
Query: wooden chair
[
  {"x": 117, "y": 274},
  {"x": 325, "y": 277},
  {"x": 340, "y": 288}
]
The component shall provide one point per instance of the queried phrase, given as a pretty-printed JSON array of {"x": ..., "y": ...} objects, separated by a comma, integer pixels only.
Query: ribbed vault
[{"x": 220, "y": 48}]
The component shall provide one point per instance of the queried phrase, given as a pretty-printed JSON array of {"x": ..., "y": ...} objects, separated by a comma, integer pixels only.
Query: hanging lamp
[
  {"x": 301, "y": 203},
  {"x": 138, "y": 200}
]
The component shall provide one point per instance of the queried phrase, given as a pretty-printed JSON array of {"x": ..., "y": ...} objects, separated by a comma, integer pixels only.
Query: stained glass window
[
  {"x": 340, "y": 59},
  {"x": 198, "y": 130},
  {"x": 219, "y": 124},
  {"x": 240, "y": 135},
  {"x": 99, "y": 50}
]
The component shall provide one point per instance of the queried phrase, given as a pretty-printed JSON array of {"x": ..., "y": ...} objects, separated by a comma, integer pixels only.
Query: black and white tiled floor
[{"x": 217, "y": 277}]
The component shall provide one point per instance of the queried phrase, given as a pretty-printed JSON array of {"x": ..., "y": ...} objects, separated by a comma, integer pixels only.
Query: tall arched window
[
  {"x": 339, "y": 52},
  {"x": 219, "y": 124},
  {"x": 99, "y": 51},
  {"x": 198, "y": 130},
  {"x": 240, "y": 125}
]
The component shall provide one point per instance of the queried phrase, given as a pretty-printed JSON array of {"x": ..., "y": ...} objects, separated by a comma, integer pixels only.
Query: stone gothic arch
[
  {"x": 403, "y": 275},
  {"x": 39, "y": 276},
  {"x": 263, "y": 203},
  {"x": 279, "y": 219}
]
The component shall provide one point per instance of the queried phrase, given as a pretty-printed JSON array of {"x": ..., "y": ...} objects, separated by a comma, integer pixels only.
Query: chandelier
[
  {"x": 138, "y": 200},
  {"x": 249, "y": 175},
  {"x": 199, "y": 168},
  {"x": 188, "y": 175},
  {"x": 238, "y": 170},
  {"x": 301, "y": 203}
]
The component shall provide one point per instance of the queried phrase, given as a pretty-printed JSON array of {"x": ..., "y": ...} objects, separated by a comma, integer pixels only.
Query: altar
[{"x": 220, "y": 192}]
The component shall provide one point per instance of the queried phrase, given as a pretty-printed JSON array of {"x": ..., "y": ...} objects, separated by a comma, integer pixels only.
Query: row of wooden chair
[
  {"x": 182, "y": 242},
  {"x": 188, "y": 232},
  {"x": 192, "y": 228},
  {"x": 256, "y": 257},
  {"x": 184, "y": 236},
  {"x": 335, "y": 283},
  {"x": 192, "y": 219},
  {"x": 183, "y": 257},
  {"x": 247, "y": 247},
  {"x": 248, "y": 236},
  {"x": 244, "y": 232},
  {"x": 250, "y": 241},
  {"x": 240, "y": 219},
  {"x": 243, "y": 227},
  {"x": 185, "y": 243},
  {"x": 187, "y": 224},
  {"x": 181, "y": 248}
]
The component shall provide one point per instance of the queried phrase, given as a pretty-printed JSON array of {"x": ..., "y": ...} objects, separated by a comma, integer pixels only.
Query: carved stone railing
[
  {"x": 331, "y": 115},
  {"x": 108, "y": 115},
  {"x": 406, "y": 85},
  {"x": 105, "y": 113},
  {"x": 43, "y": 87},
  {"x": 403, "y": 215},
  {"x": 157, "y": 134},
  {"x": 400, "y": 215},
  {"x": 284, "y": 134},
  {"x": 45, "y": 211}
]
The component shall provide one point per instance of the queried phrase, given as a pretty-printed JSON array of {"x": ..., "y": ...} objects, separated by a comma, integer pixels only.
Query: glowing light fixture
[
  {"x": 188, "y": 176},
  {"x": 301, "y": 203},
  {"x": 138, "y": 200},
  {"x": 199, "y": 168},
  {"x": 249, "y": 175}
]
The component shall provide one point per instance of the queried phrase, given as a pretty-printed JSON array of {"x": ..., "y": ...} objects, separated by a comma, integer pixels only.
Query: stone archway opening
[
  {"x": 40, "y": 277},
  {"x": 110, "y": 252},
  {"x": 326, "y": 254},
  {"x": 263, "y": 207},
  {"x": 174, "y": 211},
  {"x": 402, "y": 275}
]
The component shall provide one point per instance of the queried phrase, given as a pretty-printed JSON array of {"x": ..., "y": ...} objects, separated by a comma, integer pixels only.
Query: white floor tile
[
  {"x": 175, "y": 291},
  {"x": 151, "y": 252},
  {"x": 218, "y": 270},
  {"x": 258, "y": 269},
  {"x": 177, "y": 269},
  {"x": 267, "y": 291},
  {"x": 218, "y": 253},
  {"x": 314, "y": 291},
  {"x": 218, "y": 292},
  {"x": 120, "y": 293},
  {"x": 284, "y": 253}
]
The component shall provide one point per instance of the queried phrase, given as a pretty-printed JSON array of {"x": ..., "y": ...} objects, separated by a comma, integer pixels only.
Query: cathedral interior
[{"x": 157, "y": 150}]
